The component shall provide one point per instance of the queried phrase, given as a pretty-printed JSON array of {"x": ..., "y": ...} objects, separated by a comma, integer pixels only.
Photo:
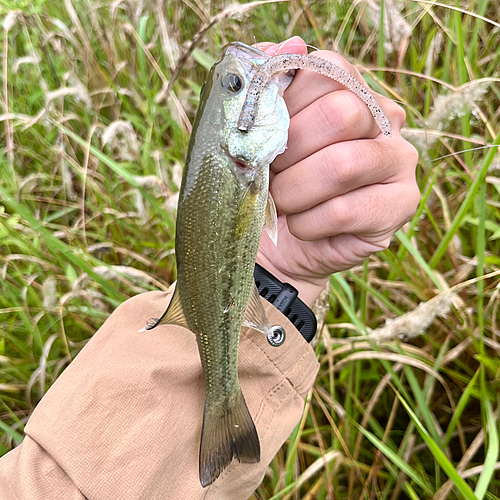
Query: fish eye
[{"x": 231, "y": 82}]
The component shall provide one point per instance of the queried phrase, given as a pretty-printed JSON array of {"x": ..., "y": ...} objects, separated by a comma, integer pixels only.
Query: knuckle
[
  {"x": 328, "y": 112},
  {"x": 412, "y": 155},
  {"x": 411, "y": 195},
  {"x": 339, "y": 168},
  {"x": 335, "y": 58},
  {"x": 340, "y": 111},
  {"x": 340, "y": 212},
  {"x": 353, "y": 110},
  {"x": 397, "y": 113},
  {"x": 344, "y": 112},
  {"x": 407, "y": 158}
]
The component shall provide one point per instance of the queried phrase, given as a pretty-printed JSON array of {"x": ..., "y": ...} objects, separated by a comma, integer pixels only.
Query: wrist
[
  {"x": 309, "y": 289},
  {"x": 284, "y": 297}
]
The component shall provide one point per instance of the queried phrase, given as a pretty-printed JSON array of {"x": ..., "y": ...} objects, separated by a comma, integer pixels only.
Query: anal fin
[
  {"x": 174, "y": 315},
  {"x": 255, "y": 314}
]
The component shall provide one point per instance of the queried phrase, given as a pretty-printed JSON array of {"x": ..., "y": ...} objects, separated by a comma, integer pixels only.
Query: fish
[{"x": 224, "y": 203}]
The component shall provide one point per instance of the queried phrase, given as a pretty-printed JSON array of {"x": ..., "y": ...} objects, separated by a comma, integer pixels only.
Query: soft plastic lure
[{"x": 284, "y": 62}]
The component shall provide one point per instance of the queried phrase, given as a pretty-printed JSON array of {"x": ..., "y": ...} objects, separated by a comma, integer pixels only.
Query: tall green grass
[{"x": 97, "y": 100}]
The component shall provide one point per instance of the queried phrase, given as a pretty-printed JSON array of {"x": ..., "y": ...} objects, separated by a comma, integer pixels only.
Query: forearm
[
  {"x": 30, "y": 473},
  {"x": 124, "y": 420}
]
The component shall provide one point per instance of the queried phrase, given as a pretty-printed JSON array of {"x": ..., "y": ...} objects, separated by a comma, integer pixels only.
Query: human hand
[{"x": 341, "y": 188}]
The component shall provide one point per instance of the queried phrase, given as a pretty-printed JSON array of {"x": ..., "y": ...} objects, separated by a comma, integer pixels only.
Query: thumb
[{"x": 294, "y": 45}]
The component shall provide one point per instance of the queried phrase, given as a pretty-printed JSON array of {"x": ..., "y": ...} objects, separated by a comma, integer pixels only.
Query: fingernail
[{"x": 292, "y": 43}]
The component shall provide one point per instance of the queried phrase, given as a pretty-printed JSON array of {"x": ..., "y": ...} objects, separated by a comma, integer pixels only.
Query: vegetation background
[{"x": 97, "y": 98}]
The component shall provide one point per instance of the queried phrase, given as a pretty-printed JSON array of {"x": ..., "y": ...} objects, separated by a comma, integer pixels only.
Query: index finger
[{"x": 308, "y": 86}]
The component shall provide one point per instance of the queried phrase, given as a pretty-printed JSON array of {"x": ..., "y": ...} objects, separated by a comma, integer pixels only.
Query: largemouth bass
[{"x": 221, "y": 214}]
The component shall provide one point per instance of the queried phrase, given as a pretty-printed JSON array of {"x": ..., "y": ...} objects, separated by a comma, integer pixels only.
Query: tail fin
[{"x": 224, "y": 436}]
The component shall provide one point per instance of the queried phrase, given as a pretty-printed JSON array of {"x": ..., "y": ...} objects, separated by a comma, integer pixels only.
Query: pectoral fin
[
  {"x": 255, "y": 314},
  {"x": 174, "y": 315},
  {"x": 271, "y": 219}
]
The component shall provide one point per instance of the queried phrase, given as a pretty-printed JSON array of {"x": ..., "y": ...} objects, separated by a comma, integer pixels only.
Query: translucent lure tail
[
  {"x": 227, "y": 434},
  {"x": 284, "y": 62}
]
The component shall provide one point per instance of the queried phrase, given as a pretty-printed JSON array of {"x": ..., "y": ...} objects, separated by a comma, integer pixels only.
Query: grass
[{"x": 97, "y": 100}]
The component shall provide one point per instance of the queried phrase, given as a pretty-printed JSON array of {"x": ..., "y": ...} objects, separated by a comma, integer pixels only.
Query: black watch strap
[{"x": 285, "y": 298}]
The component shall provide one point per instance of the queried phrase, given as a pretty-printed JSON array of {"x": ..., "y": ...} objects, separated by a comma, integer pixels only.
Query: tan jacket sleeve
[{"x": 124, "y": 419}]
